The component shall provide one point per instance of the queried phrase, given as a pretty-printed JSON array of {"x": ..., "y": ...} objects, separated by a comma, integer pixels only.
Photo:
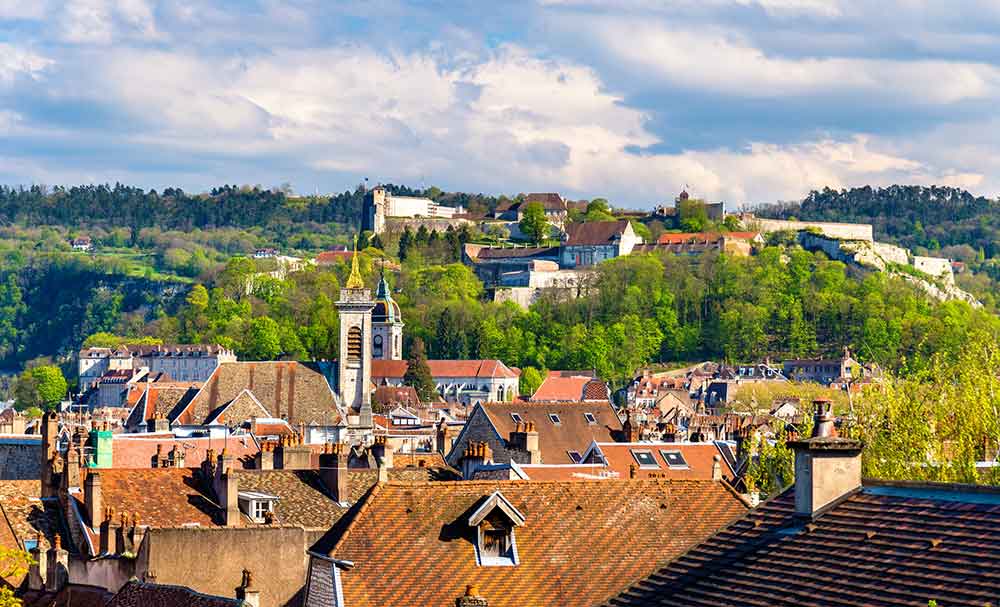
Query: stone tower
[
  {"x": 354, "y": 369},
  {"x": 387, "y": 325},
  {"x": 376, "y": 208}
]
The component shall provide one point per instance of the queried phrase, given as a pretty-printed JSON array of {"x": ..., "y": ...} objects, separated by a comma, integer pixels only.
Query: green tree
[
  {"x": 405, "y": 244},
  {"x": 418, "y": 373},
  {"x": 263, "y": 340},
  {"x": 13, "y": 564},
  {"x": 531, "y": 379},
  {"x": 692, "y": 215},
  {"x": 197, "y": 298},
  {"x": 598, "y": 209},
  {"x": 43, "y": 387},
  {"x": 533, "y": 223}
]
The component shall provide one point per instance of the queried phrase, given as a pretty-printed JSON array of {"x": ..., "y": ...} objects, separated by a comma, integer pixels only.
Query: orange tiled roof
[
  {"x": 161, "y": 497},
  {"x": 582, "y": 542},
  {"x": 574, "y": 432},
  {"x": 332, "y": 257},
  {"x": 699, "y": 457},
  {"x": 570, "y": 388}
]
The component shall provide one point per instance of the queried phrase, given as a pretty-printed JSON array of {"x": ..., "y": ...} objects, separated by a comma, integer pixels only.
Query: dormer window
[
  {"x": 494, "y": 523},
  {"x": 257, "y": 506}
]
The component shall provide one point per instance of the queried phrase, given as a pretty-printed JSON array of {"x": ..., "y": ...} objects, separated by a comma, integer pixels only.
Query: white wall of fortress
[{"x": 843, "y": 231}]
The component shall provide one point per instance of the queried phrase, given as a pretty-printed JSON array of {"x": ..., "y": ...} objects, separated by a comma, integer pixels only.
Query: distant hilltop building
[
  {"x": 380, "y": 205},
  {"x": 82, "y": 243}
]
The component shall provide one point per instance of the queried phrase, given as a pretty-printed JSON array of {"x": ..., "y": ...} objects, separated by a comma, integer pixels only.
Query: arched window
[
  {"x": 354, "y": 345},
  {"x": 377, "y": 346}
]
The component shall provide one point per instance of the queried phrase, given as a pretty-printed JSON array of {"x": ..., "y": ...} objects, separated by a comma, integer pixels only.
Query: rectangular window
[
  {"x": 517, "y": 418},
  {"x": 590, "y": 419},
  {"x": 496, "y": 542},
  {"x": 645, "y": 458},
  {"x": 575, "y": 456},
  {"x": 554, "y": 419},
  {"x": 674, "y": 460}
]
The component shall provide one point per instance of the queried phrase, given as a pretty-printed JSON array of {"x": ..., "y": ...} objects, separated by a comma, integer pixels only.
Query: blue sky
[{"x": 747, "y": 101}]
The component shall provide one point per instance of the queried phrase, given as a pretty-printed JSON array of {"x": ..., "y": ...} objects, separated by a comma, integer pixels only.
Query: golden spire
[{"x": 354, "y": 280}]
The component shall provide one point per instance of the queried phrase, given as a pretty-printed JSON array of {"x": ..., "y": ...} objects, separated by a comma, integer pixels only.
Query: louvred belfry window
[{"x": 354, "y": 345}]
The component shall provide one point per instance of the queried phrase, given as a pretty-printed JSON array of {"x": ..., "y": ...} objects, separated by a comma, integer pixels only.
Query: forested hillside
[{"x": 912, "y": 216}]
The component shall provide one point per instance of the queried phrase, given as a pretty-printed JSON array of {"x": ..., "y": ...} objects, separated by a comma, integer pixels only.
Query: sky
[{"x": 747, "y": 101}]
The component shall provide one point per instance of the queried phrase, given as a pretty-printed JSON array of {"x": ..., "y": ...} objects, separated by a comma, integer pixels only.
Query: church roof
[{"x": 386, "y": 309}]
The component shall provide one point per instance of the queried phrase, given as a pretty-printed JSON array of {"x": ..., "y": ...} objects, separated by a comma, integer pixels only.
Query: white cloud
[
  {"x": 100, "y": 22},
  {"x": 724, "y": 62},
  {"x": 22, "y": 9},
  {"x": 16, "y": 61}
]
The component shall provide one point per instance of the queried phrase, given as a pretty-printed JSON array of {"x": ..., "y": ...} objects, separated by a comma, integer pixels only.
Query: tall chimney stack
[{"x": 827, "y": 467}]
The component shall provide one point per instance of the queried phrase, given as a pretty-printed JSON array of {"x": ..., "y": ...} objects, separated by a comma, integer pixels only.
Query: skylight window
[
  {"x": 517, "y": 418},
  {"x": 674, "y": 459},
  {"x": 645, "y": 459},
  {"x": 590, "y": 419},
  {"x": 575, "y": 456},
  {"x": 555, "y": 419}
]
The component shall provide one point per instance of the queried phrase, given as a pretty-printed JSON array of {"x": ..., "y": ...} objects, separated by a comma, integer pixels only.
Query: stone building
[
  {"x": 381, "y": 205},
  {"x": 466, "y": 382},
  {"x": 387, "y": 325},
  {"x": 590, "y": 243},
  {"x": 192, "y": 362}
]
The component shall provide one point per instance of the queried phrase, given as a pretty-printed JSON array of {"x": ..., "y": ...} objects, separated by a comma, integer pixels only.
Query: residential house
[
  {"x": 556, "y": 208},
  {"x": 590, "y": 243},
  {"x": 572, "y": 387},
  {"x": 529, "y": 432},
  {"x": 827, "y": 371},
  {"x": 82, "y": 243},
  {"x": 833, "y": 539},
  {"x": 266, "y": 253},
  {"x": 696, "y": 243},
  {"x": 512, "y": 543}
]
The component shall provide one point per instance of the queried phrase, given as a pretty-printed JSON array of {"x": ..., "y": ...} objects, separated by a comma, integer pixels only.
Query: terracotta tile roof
[
  {"x": 158, "y": 398},
  {"x": 582, "y": 542},
  {"x": 550, "y": 200},
  {"x": 303, "y": 498},
  {"x": 595, "y": 232},
  {"x": 420, "y": 460},
  {"x": 327, "y": 258},
  {"x": 571, "y": 388},
  {"x": 574, "y": 432},
  {"x": 391, "y": 396},
  {"x": 698, "y": 456},
  {"x": 143, "y": 594},
  {"x": 490, "y": 368},
  {"x": 70, "y": 595},
  {"x": 161, "y": 497},
  {"x": 686, "y": 237},
  {"x": 244, "y": 407},
  {"x": 905, "y": 544},
  {"x": 24, "y": 516},
  {"x": 293, "y": 390},
  {"x": 137, "y": 451}
]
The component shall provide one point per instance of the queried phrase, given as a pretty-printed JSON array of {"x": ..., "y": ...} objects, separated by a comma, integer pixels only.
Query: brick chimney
[
  {"x": 246, "y": 592},
  {"x": 49, "y": 453},
  {"x": 630, "y": 429},
  {"x": 471, "y": 598},
  {"x": 264, "y": 460},
  {"x": 72, "y": 473},
  {"x": 208, "y": 466},
  {"x": 716, "y": 467},
  {"x": 37, "y": 570},
  {"x": 92, "y": 498},
  {"x": 476, "y": 455},
  {"x": 333, "y": 471},
  {"x": 525, "y": 438},
  {"x": 383, "y": 452},
  {"x": 443, "y": 438},
  {"x": 136, "y": 533},
  {"x": 291, "y": 454},
  {"x": 158, "y": 424},
  {"x": 57, "y": 566},
  {"x": 176, "y": 457},
  {"x": 229, "y": 493},
  {"x": 123, "y": 542},
  {"x": 827, "y": 467},
  {"x": 108, "y": 535}
]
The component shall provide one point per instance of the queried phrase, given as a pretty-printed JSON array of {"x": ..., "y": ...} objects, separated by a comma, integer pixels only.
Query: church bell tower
[{"x": 354, "y": 368}]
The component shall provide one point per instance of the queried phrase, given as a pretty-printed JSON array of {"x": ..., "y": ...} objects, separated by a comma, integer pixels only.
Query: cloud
[
  {"x": 15, "y": 61},
  {"x": 20, "y": 9},
  {"x": 746, "y": 100}
]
